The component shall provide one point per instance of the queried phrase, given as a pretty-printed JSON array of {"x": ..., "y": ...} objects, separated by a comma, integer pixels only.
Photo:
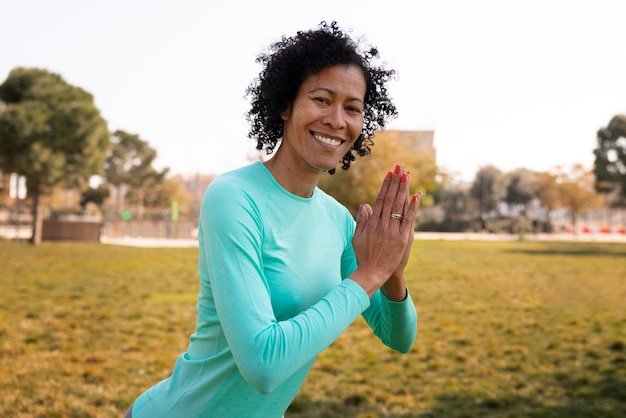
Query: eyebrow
[{"x": 332, "y": 93}]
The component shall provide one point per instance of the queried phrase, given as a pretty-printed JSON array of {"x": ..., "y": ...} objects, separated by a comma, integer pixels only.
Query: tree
[
  {"x": 51, "y": 132},
  {"x": 576, "y": 190},
  {"x": 547, "y": 190},
  {"x": 548, "y": 193},
  {"x": 485, "y": 188},
  {"x": 521, "y": 187},
  {"x": 167, "y": 194},
  {"x": 129, "y": 163},
  {"x": 456, "y": 205},
  {"x": 610, "y": 157},
  {"x": 95, "y": 195}
]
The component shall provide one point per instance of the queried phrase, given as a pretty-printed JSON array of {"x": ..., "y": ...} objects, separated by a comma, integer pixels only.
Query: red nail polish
[
  {"x": 397, "y": 169},
  {"x": 389, "y": 175},
  {"x": 404, "y": 178}
]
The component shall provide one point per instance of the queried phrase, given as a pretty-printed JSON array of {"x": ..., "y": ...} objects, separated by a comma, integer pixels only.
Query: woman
[{"x": 284, "y": 269}]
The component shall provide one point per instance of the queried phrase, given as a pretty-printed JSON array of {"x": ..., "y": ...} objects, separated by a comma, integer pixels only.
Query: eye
[
  {"x": 354, "y": 109},
  {"x": 322, "y": 100}
]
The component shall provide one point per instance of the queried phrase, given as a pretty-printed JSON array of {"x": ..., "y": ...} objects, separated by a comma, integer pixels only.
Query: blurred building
[{"x": 412, "y": 140}]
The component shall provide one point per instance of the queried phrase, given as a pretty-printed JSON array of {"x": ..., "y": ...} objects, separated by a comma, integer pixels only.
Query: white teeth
[{"x": 328, "y": 141}]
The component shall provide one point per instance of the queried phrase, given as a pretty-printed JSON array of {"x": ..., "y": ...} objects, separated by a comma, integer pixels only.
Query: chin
[
  {"x": 326, "y": 164},
  {"x": 327, "y": 167}
]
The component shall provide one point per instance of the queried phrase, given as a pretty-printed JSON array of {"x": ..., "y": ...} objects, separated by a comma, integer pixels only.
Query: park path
[
  {"x": 10, "y": 232},
  {"x": 440, "y": 236}
]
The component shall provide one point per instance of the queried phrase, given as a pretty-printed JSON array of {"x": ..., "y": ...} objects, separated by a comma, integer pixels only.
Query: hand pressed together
[{"x": 382, "y": 242}]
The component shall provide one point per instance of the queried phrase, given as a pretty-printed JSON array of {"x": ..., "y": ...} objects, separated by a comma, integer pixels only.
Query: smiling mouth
[{"x": 327, "y": 141}]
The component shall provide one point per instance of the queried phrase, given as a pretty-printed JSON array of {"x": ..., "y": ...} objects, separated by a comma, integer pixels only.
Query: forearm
[{"x": 268, "y": 352}]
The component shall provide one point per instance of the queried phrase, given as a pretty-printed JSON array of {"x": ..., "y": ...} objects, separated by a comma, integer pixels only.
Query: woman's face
[{"x": 325, "y": 118}]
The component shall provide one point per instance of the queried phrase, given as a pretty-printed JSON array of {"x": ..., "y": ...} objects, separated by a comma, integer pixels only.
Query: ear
[{"x": 284, "y": 114}]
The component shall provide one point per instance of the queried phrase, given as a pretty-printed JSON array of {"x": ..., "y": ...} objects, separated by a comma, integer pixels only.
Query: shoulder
[
  {"x": 233, "y": 204},
  {"x": 235, "y": 193},
  {"x": 248, "y": 174},
  {"x": 249, "y": 179}
]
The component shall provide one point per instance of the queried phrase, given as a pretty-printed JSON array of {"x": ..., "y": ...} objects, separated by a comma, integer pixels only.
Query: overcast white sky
[{"x": 509, "y": 83}]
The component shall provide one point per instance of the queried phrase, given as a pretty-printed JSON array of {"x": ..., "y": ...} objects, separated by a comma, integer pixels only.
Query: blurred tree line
[
  {"x": 520, "y": 200},
  {"x": 52, "y": 134}
]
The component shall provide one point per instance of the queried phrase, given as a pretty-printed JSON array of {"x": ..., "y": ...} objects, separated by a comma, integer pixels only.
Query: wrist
[
  {"x": 395, "y": 289},
  {"x": 370, "y": 282}
]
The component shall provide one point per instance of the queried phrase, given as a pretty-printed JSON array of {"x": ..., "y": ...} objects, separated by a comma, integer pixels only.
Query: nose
[{"x": 335, "y": 117}]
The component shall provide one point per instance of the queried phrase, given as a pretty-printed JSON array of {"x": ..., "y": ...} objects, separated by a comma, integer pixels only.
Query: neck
[{"x": 293, "y": 178}]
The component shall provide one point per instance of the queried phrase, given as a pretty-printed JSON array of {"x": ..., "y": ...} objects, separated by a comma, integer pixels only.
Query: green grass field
[{"x": 513, "y": 329}]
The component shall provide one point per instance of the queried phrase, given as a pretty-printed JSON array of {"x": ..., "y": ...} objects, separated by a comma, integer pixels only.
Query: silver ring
[{"x": 396, "y": 216}]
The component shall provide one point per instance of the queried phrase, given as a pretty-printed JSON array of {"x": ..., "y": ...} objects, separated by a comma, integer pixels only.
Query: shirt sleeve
[
  {"x": 266, "y": 351},
  {"x": 395, "y": 323}
]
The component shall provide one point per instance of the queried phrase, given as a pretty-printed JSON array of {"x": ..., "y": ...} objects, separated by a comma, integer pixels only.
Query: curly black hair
[{"x": 288, "y": 62}]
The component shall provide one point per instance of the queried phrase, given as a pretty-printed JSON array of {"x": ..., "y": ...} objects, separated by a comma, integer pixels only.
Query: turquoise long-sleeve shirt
[{"x": 274, "y": 293}]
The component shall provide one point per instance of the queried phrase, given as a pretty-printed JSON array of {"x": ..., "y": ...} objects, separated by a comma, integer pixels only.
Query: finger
[
  {"x": 391, "y": 198},
  {"x": 411, "y": 211},
  {"x": 380, "y": 199},
  {"x": 362, "y": 219},
  {"x": 368, "y": 209},
  {"x": 398, "y": 207}
]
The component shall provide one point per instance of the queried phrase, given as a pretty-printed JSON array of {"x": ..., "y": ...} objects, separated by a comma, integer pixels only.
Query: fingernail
[
  {"x": 404, "y": 178},
  {"x": 397, "y": 169},
  {"x": 389, "y": 174}
]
